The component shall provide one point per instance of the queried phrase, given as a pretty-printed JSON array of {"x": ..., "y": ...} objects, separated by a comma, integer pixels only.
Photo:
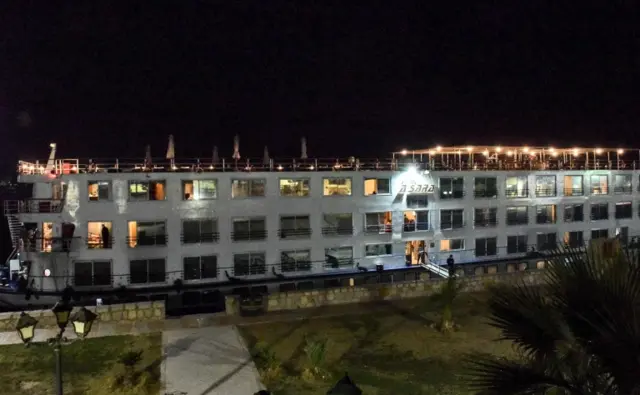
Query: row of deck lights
[{"x": 552, "y": 151}]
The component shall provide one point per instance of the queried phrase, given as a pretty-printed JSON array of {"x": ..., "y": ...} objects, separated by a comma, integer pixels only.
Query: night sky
[{"x": 356, "y": 78}]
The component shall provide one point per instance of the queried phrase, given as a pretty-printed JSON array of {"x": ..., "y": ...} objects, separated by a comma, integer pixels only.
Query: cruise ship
[{"x": 100, "y": 225}]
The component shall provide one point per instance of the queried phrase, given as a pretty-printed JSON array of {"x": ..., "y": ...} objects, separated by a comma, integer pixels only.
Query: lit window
[
  {"x": 99, "y": 235},
  {"x": 546, "y": 214},
  {"x": 573, "y": 239},
  {"x": 199, "y": 189},
  {"x": 377, "y": 222},
  {"x": 599, "y": 185},
  {"x": 147, "y": 190},
  {"x": 246, "y": 188},
  {"x": 294, "y": 187},
  {"x": 517, "y": 187},
  {"x": 622, "y": 184},
  {"x": 573, "y": 186},
  {"x": 545, "y": 186},
  {"x": 99, "y": 190},
  {"x": 377, "y": 186},
  {"x": 336, "y": 187},
  {"x": 378, "y": 249},
  {"x": 451, "y": 244}
]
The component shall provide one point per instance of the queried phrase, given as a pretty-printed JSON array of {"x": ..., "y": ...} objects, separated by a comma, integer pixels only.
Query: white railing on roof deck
[{"x": 74, "y": 166}]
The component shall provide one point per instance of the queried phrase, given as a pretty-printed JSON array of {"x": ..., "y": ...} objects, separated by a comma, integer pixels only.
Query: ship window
[
  {"x": 546, "y": 214},
  {"x": 517, "y": 215},
  {"x": 335, "y": 186},
  {"x": 622, "y": 183},
  {"x": 451, "y": 188},
  {"x": 200, "y": 267},
  {"x": 574, "y": 239},
  {"x": 599, "y": 234},
  {"x": 249, "y": 264},
  {"x": 517, "y": 187},
  {"x": 451, "y": 219},
  {"x": 485, "y": 217},
  {"x": 377, "y": 222},
  {"x": 416, "y": 221},
  {"x": 295, "y": 261},
  {"x": 294, "y": 187},
  {"x": 92, "y": 273},
  {"x": 545, "y": 186},
  {"x": 486, "y": 246},
  {"x": 377, "y": 186},
  {"x": 382, "y": 249},
  {"x": 295, "y": 226},
  {"x": 599, "y": 185},
  {"x": 246, "y": 188},
  {"x": 573, "y": 186},
  {"x": 485, "y": 187},
  {"x": 624, "y": 210},
  {"x": 147, "y": 190},
  {"x": 143, "y": 271},
  {"x": 248, "y": 229},
  {"x": 199, "y": 189},
  {"x": 516, "y": 244},
  {"x": 337, "y": 224},
  {"x": 203, "y": 230},
  {"x": 451, "y": 244},
  {"x": 622, "y": 234},
  {"x": 147, "y": 234},
  {"x": 599, "y": 211},
  {"x": 99, "y": 190},
  {"x": 338, "y": 257},
  {"x": 546, "y": 241},
  {"x": 573, "y": 213},
  {"x": 97, "y": 237}
]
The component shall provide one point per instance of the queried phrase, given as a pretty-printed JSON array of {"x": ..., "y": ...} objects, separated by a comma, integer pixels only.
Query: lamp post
[{"x": 81, "y": 320}]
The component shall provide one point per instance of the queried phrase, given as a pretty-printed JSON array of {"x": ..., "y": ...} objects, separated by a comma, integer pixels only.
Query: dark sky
[{"x": 358, "y": 78}]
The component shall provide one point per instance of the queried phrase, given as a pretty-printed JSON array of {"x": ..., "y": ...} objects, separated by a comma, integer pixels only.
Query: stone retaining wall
[
  {"x": 370, "y": 293},
  {"x": 128, "y": 312}
]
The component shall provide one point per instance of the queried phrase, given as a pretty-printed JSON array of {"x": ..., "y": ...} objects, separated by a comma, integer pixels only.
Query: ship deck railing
[{"x": 422, "y": 163}]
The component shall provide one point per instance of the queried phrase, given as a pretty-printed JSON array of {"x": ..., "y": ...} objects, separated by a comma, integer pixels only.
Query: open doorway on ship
[{"x": 415, "y": 252}]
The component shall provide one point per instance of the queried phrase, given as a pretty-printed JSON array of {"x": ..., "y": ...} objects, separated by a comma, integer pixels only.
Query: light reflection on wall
[
  {"x": 120, "y": 195},
  {"x": 72, "y": 202}
]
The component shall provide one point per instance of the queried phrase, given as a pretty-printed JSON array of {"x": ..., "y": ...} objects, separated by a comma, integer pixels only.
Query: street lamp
[
  {"x": 81, "y": 320},
  {"x": 345, "y": 386}
]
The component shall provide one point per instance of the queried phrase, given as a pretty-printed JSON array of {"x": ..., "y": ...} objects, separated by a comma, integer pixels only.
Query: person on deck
[
  {"x": 105, "y": 236},
  {"x": 451, "y": 264}
]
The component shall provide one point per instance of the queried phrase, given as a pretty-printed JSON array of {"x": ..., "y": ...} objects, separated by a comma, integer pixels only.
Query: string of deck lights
[{"x": 511, "y": 151}]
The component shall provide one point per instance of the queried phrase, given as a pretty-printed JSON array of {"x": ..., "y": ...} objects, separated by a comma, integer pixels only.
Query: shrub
[{"x": 316, "y": 351}]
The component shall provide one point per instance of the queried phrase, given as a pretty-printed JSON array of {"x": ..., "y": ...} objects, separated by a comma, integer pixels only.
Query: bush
[
  {"x": 316, "y": 351},
  {"x": 127, "y": 377},
  {"x": 268, "y": 364}
]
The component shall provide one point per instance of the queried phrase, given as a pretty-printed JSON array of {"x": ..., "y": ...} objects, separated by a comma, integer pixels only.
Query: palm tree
[{"x": 577, "y": 334}]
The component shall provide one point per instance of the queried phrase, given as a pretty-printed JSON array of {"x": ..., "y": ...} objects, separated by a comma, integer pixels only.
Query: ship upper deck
[{"x": 455, "y": 158}]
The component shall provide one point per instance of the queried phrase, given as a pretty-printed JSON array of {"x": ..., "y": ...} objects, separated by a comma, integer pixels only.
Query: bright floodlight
[
  {"x": 620, "y": 151},
  {"x": 498, "y": 149},
  {"x": 509, "y": 153},
  {"x": 469, "y": 148},
  {"x": 576, "y": 151},
  {"x": 403, "y": 152},
  {"x": 598, "y": 151},
  {"x": 412, "y": 169},
  {"x": 525, "y": 149},
  {"x": 438, "y": 148},
  {"x": 486, "y": 153}
]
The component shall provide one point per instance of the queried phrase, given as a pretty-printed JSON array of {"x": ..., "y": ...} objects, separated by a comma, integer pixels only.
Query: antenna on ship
[
  {"x": 52, "y": 158},
  {"x": 303, "y": 148},
  {"x": 236, "y": 150},
  {"x": 215, "y": 159},
  {"x": 266, "y": 160},
  {"x": 147, "y": 159}
]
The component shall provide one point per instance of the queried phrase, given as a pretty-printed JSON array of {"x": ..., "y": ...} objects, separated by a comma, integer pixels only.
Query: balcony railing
[
  {"x": 337, "y": 231},
  {"x": 415, "y": 227},
  {"x": 99, "y": 244},
  {"x": 50, "y": 244},
  {"x": 520, "y": 193},
  {"x": 452, "y": 225},
  {"x": 485, "y": 223},
  {"x": 195, "y": 238},
  {"x": 545, "y": 219},
  {"x": 625, "y": 190},
  {"x": 33, "y": 206},
  {"x": 299, "y": 233},
  {"x": 624, "y": 215},
  {"x": 295, "y": 266},
  {"x": 573, "y": 191},
  {"x": 486, "y": 194},
  {"x": 377, "y": 229},
  {"x": 249, "y": 235},
  {"x": 517, "y": 221},
  {"x": 147, "y": 241},
  {"x": 546, "y": 191}
]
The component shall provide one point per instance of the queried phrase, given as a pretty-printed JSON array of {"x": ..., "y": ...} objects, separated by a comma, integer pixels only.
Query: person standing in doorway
[
  {"x": 105, "y": 236},
  {"x": 451, "y": 264}
]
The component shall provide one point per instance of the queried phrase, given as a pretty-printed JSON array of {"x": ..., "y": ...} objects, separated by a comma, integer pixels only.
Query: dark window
[
  {"x": 249, "y": 229},
  {"x": 295, "y": 261},
  {"x": 486, "y": 246},
  {"x": 546, "y": 214},
  {"x": 295, "y": 226},
  {"x": 574, "y": 239},
  {"x": 599, "y": 211},
  {"x": 203, "y": 230},
  {"x": 546, "y": 241},
  {"x": 516, "y": 244},
  {"x": 573, "y": 213},
  {"x": 622, "y": 184},
  {"x": 143, "y": 271},
  {"x": 337, "y": 224},
  {"x": 485, "y": 217},
  {"x": 249, "y": 264},
  {"x": 200, "y": 267},
  {"x": 599, "y": 234},
  {"x": 417, "y": 200},
  {"x": 517, "y": 215},
  {"x": 451, "y": 219},
  {"x": 624, "y": 210},
  {"x": 451, "y": 188},
  {"x": 96, "y": 273},
  {"x": 485, "y": 187}
]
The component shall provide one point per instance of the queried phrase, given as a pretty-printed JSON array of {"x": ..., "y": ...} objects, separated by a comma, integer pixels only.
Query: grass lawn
[
  {"x": 89, "y": 366},
  {"x": 391, "y": 352}
]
